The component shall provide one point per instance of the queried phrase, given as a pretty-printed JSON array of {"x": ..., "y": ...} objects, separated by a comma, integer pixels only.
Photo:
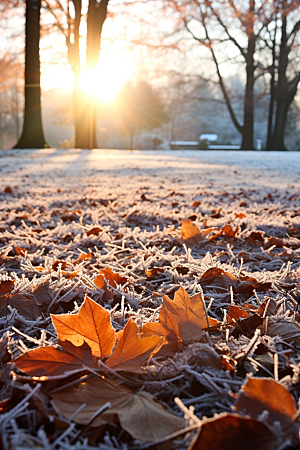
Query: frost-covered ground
[
  {"x": 245, "y": 169},
  {"x": 124, "y": 211}
]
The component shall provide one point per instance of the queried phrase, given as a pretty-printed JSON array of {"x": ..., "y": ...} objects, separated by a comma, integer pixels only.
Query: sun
[{"x": 100, "y": 86}]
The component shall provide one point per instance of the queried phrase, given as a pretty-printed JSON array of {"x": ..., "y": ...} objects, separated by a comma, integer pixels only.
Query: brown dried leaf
[
  {"x": 84, "y": 256},
  {"x": 225, "y": 231},
  {"x": 94, "y": 231},
  {"x": 247, "y": 326},
  {"x": 233, "y": 432},
  {"x": 182, "y": 320},
  {"x": 112, "y": 278},
  {"x": 235, "y": 312},
  {"x": 5, "y": 356},
  {"x": 6, "y": 286},
  {"x": 191, "y": 234},
  {"x": 132, "y": 349},
  {"x": 270, "y": 242},
  {"x": 250, "y": 284},
  {"x": 52, "y": 362},
  {"x": 265, "y": 394},
  {"x": 240, "y": 215},
  {"x": 25, "y": 306},
  {"x": 56, "y": 264},
  {"x": 290, "y": 332},
  {"x": 91, "y": 325},
  {"x": 154, "y": 272},
  {"x": 43, "y": 295},
  {"x": 139, "y": 414},
  {"x": 216, "y": 276}
]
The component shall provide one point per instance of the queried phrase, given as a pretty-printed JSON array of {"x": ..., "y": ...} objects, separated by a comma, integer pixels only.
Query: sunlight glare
[{"x": 105, "y": 84}]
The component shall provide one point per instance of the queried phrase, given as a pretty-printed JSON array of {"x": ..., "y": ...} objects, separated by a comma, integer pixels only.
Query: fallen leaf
[
  {"x": 266, "y": 394},
  {"x": 225, "y": 231},
  {"x": 182, "y": 319},
  {"x": 139, "y": 414},
  {"x": 8, "y": 190},
  {"x": 236, "y": 313},
  {"x": 91, "y": 325},
  {"x": 22, "y": 251},
  {"x": 191, "y": 234},
  {"x": 290, "y": 332},
  {"x": 255, "y": 238},
  {"x": 132, "y": 349},
  {"x": 112, "y": 278},
  {"x": 154, "y": 272},
  {"x": 84, "y": 256},
  {"x": 5, "y": 356},
  {"x": 57, "y": 263},
  {"x": 250, "y": 284},
  {"x": 25, "y": 306},
  {"x": 196, "y": 203},
  {"x": 6, "y": 286},
  {"x": 43, "y": 296},
  {"x": 247, "y": 326},
  {"x": 51, "y": 362},
  {"x": 216, "y": 276},
  {"x": 70, "y": 275},
  {"x": 233, "y": 432},
  {"x": 274, "y": 241},
  {"x": 240, "y": 215},
  {"x": 94, "y": 231}
]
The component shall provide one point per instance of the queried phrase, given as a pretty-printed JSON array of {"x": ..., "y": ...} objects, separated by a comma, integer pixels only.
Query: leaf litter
[{"x": 153, "y": 320}]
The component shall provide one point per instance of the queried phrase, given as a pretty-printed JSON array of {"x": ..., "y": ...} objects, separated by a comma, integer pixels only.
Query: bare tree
[
  {"x": 230, "y": 30},
  {"x": 285, "y": 74},
  {"x": 32, "y": 135}
]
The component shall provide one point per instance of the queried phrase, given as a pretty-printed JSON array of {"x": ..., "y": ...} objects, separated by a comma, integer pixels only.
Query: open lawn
[{"x": 204, "y": 304}]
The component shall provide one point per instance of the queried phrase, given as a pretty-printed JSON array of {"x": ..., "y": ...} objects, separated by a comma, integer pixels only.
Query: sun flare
[{"x": 102, "y": 87}]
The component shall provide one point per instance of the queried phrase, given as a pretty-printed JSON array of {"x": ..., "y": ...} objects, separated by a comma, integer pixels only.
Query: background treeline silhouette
[{"x": 229, "y": 67}]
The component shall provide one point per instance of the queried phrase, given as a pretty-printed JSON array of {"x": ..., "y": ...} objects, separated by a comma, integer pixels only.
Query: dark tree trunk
[
  {"x": 272, "y": 98},
  {"x": 96, "y": 17},
  {"x": 286, "y": 90},
  {"x": 283, "y": 103},
  {"x": 248, "y": 128},
  {"x": 80, "y": 98},
  {"x": 32, "y": 135}
]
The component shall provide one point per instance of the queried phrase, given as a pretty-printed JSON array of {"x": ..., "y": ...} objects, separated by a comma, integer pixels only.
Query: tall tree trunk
[
  {"x": 96, "y": 16},
  {"x": 284, "y": 101},
  {"x": 248, "y": 128},
  {"x": 272, "y": 96},
  {"x": 80, "y": 98},
  {"x": 32, "y": 135},
  {"x": 286, "y": 90}
]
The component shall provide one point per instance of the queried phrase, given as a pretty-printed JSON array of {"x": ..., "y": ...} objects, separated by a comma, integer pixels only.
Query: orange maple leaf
[
  {"x": 91, "y": 325},
  {"x": 132, "y": 349},
  {"x": 52, "y": 362},
  {"x": 191, "y": 234},
  {"x": 181, "y": 320}
]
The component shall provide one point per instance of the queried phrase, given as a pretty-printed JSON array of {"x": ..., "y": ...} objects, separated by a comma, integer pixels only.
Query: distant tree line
[
  {"x": 263, "y": 38},
  {"x": 260, "y": 36}
]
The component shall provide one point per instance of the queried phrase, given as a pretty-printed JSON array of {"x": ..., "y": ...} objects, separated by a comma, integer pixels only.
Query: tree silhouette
[
  {"x": 140, "y": 109},
  {"x": 32, "y": 135}
]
